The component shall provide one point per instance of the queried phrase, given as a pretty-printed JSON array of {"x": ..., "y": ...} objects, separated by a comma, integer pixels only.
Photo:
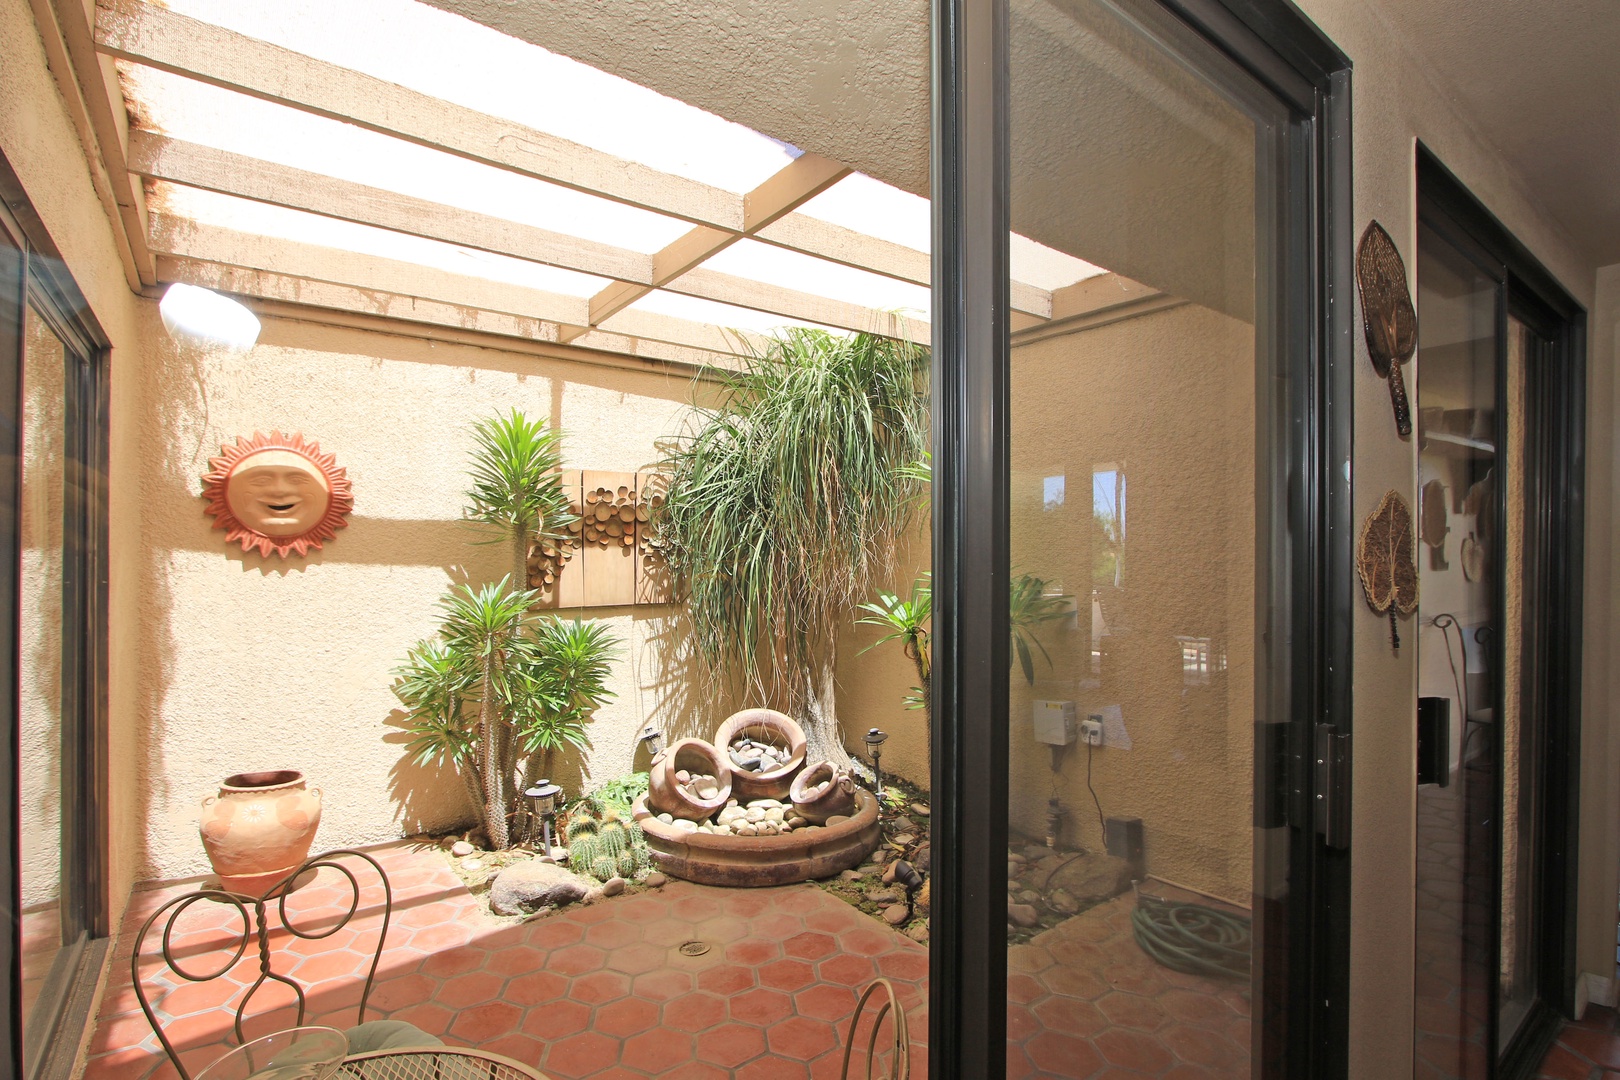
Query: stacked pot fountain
[{"x": 745, "y": 811}]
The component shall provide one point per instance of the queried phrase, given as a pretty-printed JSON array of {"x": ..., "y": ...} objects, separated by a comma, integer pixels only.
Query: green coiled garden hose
[{"x": 1192, "y": 938}]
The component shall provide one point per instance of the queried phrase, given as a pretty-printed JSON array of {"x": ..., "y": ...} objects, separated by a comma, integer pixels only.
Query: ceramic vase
[
  {"x": 259, "y": 828},
  {"x": 823, "y": 791},
  {"x": 667, "y": 795}
]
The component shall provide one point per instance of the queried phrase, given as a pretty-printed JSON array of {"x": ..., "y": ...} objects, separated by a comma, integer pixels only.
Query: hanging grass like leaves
[{"x": 785, "y": 507}]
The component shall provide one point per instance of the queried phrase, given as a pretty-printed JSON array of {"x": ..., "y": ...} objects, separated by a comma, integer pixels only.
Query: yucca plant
[
  {"x": 517, "y": 485},
  {"x": 501, "y": 690},
  {"x": 784, "y": 508},
  {"x": 909, "y": 621}
]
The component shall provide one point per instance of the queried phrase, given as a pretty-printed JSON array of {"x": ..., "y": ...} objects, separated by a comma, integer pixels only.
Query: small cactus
[
  {"x": 604, "y": 867},
  {"x": 627, "y": 863}
]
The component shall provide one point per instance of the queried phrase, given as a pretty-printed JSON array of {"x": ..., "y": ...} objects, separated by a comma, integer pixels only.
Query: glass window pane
[
  {"x": 1142, "y": 415},
  {"x": 1456, "y": 809},
  {"x": 40, "y": 655}
]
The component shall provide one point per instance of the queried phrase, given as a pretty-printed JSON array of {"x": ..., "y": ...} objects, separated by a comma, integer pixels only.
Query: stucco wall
[
  {"x": 1396, "y": 103},
  {"x": 1187, "y": 450},
  {"x": 253, "y": 663}
]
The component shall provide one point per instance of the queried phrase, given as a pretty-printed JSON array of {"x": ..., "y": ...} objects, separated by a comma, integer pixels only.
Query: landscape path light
[
  {"x": 542, "y": 808},
  {"x": 875, "y": 738},
  {"x": 653, "y": 739}
]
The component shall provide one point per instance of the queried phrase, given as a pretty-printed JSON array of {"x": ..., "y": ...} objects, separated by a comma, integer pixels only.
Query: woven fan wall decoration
[
  {"x": 1386, "y": 560},
  {"x": 1387, "y": 316}
]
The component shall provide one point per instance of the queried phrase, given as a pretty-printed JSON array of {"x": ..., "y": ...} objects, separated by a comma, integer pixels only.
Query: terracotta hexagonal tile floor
[
  {"x": 601, "y": 991},
  {"x": 605, "y": 991}
]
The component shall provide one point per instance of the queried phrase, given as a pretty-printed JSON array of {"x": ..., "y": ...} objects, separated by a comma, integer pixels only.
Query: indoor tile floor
[
  {"x": 1587, "y": 1049},
  {"x": 606, "y": 992}
]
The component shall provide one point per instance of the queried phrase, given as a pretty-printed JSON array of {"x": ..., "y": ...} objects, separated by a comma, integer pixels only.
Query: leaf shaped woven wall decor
[
  {"x": 1387, "y": 563},
  {"x": 1387, "y": 315}
]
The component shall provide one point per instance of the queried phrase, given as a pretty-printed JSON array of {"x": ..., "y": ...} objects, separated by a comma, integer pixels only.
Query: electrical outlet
[{"x": 1091, "y": 731}]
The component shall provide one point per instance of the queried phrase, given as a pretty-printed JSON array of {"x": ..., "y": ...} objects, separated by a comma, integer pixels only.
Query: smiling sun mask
[{"x": 277, "y": 493}]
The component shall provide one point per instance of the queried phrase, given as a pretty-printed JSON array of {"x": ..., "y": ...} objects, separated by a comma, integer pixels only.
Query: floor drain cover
[{"x": 693, "y": 948}]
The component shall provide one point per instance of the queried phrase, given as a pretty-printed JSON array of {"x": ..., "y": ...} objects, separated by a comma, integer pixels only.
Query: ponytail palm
[{"x": 785, "y": 507}]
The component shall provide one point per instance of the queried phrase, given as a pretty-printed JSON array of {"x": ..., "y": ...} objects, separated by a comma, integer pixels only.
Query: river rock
[
  {"x": 896, "y": 914},
  {"x": 655, "y": 880},
  {"x": 683, "y": 825},
  {"x": 851, "y": 875},
  {"x": 527, "y": 886},
  {"x": 1023, "y": 915},
  {"x": 918, "y": 932},
  {"x": 461, "y": 849},
  {"x": 1091, "y": 878},
  {"x": 1060, "y": 901},
  {"x": 919, "y": 809},
  {"x": 613, "y": 886}
]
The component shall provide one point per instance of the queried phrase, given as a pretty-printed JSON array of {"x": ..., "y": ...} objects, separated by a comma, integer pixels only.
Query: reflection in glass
[
  {"x": 1133, "y": 856},
  {"x": 1457, "y": 654},
  {"x": 40, "y": 656}
]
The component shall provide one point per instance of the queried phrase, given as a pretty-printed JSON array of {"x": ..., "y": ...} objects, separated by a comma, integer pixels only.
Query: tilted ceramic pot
[
  {"x": 667, "y": 794},
  {"x": 823, "y": 791},
  {"x": 259, "y": 828}
]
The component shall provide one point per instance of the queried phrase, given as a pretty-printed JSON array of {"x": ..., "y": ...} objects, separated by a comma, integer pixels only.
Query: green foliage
[
  {"x": 500, "y": 686},
  {"x": 605, "y": 846},
  {"x": 785, "y": 504},
  {"x": 1029, "y": 606},
  {"x": 517, "y": 483},
  {"x": 618, "y": 796}
]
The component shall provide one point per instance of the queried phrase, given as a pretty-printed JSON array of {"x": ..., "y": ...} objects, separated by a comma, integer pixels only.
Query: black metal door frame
[
  {"x": 1556, "y": 470},
  {"x": 970, "y": 179}
]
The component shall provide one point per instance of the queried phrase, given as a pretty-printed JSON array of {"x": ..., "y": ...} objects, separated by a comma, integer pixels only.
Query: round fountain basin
[{"x": 756, "y": 861}]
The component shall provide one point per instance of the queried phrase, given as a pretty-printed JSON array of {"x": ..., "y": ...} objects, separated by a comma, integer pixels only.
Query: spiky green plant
[
  {"x": 783, "y": 509},
  {"x": 517, "y": 484},
  {"x": 484, "y": 627},
  {"x": 909, "y": 621}
]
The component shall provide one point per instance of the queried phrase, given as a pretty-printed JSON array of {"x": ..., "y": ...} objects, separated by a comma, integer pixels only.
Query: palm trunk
[
  {"x": 489, "y": 723},
  {"x": 520, "y": 556},
  {"x": 825, "y": 742},
  {"x": 475, "y": 789}
]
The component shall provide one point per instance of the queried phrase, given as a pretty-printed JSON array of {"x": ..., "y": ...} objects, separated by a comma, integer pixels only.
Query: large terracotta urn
[
  {"x": 259, "y": 828},
  {"x": 689, "y": 780}
]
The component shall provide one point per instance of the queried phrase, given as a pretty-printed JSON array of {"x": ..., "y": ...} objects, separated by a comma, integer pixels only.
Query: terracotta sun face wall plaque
[{"x": 277, "y": 493}]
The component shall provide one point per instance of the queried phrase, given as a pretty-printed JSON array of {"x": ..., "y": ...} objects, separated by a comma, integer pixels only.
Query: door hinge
[{"x": 1332, "y": 787}]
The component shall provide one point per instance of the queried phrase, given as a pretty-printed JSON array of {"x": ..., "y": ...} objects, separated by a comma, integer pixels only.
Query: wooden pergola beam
[
  {"x": 166, "y": 40},
  {"x": 183, "y": 238},
  {"x": 368, "y": 309},
  {"x": 742, "y": 292},
  {"x": 156, "y": 37},
  {"x": 800, "y": 180},
  {"x": 161, "y": 158}
]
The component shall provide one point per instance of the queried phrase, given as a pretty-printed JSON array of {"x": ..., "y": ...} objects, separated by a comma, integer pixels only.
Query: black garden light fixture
[
  {"x": 543, "y": 809},
  {"x": 875, "y": 738}
]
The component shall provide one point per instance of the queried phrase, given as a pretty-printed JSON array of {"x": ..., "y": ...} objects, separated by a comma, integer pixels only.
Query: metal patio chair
[
  {"x": 899, "y": 1043},
  {"x": 255, "y": 914}
]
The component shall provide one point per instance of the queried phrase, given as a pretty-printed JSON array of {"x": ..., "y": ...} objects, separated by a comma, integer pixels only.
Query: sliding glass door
[
  {"x": 1495, "y": 385},
  {"x": 1140, "y": 726},
  {"x": 52, "y": 401}
]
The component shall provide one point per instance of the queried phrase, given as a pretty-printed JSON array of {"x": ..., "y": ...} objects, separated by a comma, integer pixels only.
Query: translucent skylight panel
[
  {"x": 805, "y": 273},
  {"x": 693, "y": 309},
  {"x": 877, "y": 209},
  {"x": 243, "y": 215},
  {"x": 199, "y": 113},
  {"x": 1044, "y": 267},
  {"x": 465, "y": 62}
]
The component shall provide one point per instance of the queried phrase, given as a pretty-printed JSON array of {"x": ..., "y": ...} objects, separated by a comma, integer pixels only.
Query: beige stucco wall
[
  {"x": 253, "y": 663},
  {"x": 1187, "y": 449},
  {"x": 1396, "y": 103}
]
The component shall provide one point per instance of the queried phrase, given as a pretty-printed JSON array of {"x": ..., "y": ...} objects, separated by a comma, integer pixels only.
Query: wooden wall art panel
[{"x": 607, "y": 559}]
